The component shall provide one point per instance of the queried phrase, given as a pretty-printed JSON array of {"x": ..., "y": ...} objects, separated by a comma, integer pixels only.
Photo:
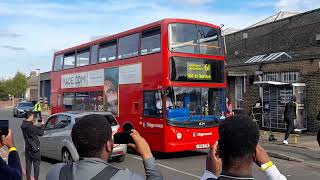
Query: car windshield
[
  {"x": 25, "y": 105},
  {"x": 194, "y": 104},
  {"x": 195, "y": 39}
]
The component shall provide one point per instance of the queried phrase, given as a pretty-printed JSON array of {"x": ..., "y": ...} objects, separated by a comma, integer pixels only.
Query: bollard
[{"x": 296, "y": 138}]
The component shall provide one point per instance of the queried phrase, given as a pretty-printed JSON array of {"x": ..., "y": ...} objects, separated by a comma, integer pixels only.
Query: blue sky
[{"x": 32, "y": 30}]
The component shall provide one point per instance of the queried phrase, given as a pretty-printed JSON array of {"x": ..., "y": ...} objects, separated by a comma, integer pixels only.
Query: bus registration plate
[{"x": 202, "y": 146}]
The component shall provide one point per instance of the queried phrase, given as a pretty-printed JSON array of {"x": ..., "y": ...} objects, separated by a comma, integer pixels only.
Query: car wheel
[
  {"x": 119, "y": 158},
  {"x": 66, "y": 156}
]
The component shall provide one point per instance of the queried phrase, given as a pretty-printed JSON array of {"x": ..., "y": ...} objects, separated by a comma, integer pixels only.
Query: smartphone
[
  {"x": 4, "y": 127},
  {"x": 123, "y": 138}
]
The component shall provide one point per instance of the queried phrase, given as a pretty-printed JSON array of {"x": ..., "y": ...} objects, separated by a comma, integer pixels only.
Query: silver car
[
  {"x": 20, "y": 109},
  {"x": 56, "y": 143}
]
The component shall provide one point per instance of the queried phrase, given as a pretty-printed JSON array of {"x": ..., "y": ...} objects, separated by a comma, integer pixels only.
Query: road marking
[{"x": 170, "y": 168}]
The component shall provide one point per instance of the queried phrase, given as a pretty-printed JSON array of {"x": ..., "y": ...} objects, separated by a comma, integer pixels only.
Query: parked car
[
  {"x": 56, "y": 143},
  {"x": 20, "y": 109}
]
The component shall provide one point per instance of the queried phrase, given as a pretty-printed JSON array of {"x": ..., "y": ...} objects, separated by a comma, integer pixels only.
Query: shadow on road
[{"x": 48, "y": 160}]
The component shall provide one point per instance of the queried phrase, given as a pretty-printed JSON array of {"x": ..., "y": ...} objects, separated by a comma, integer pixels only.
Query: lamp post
[{"x": 38, "y": 83}]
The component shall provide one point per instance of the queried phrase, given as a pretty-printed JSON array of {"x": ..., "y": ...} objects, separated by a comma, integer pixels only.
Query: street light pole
[{"x": 38, "y": 83}]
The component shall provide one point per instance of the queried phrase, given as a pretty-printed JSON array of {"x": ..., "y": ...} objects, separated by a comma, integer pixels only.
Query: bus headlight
[{"x": 179, "y": 135}]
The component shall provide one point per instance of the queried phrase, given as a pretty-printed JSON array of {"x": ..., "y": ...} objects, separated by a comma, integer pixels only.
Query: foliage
[{"x": 15, "y": 86}]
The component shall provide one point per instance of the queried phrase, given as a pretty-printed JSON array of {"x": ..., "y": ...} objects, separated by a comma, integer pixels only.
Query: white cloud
[
  {"x": 297, "y": 5},
  {"x": 46, "y": 27}
]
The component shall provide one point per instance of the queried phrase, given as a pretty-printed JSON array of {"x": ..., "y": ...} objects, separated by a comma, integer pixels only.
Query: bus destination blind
[{"x": 198, "y": 71}]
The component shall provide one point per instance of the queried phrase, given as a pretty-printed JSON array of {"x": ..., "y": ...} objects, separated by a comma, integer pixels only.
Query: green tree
[
  {"x": 3, "y": 90},
  {"x": 15, "y": 86},
  {"x": 18, "y": 85}
]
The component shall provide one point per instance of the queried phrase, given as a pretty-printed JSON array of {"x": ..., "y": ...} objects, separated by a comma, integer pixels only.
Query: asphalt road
[{"x": 184, "y": 165}]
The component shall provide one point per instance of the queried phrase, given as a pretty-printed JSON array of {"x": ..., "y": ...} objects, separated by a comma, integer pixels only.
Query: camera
[
  {"x": 4, "y": 127},
  {"x": 123, "y": 138}
]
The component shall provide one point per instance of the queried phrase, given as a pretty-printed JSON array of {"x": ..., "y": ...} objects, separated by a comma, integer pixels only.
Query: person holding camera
[
  {"x": 12, "y": 170},
  {"x": 32, "y": 144},
  {"x": 92, "y": 137},
  {"x": 237, "y": 149}
]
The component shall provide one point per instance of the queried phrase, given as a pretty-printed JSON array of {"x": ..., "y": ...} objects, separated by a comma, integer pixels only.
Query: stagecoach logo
[
  {"x": 202, "y": 123},
  {"x": 195, "y": 134},
  {"x": 151, "y": 125}
]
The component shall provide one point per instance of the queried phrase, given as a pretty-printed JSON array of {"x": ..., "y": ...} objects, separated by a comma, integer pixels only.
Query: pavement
[
  {"x": 190, "y": 165},
  {"x": 301, "y": 148}
]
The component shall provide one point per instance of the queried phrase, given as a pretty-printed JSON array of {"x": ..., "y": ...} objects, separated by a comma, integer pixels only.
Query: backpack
[{"x": 105, "y": 174}]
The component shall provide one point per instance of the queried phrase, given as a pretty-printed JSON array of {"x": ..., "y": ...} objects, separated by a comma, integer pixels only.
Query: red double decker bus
[{"x": 165, "y": 79}]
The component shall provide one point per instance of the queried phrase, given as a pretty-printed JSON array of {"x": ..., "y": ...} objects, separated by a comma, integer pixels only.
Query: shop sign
[{"x": 83, "y": 79}]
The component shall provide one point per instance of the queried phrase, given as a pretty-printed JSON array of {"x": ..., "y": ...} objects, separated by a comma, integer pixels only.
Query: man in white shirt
[{"x": 237, "y": 151}]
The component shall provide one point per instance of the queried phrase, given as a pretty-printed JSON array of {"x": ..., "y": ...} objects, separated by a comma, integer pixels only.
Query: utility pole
[{"x": 38, "y": 83}]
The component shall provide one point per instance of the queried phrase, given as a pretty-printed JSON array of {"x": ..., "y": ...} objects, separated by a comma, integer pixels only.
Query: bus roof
[{"x": 131, "y": 31}]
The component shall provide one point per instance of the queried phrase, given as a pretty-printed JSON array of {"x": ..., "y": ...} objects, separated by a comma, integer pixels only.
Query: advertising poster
[{"x": 111, "y": 85}]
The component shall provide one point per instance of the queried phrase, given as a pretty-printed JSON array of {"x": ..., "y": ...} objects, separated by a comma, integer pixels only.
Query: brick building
[
  {"x": 32, "y": 86},
  {"x": 273, "y": 59}
]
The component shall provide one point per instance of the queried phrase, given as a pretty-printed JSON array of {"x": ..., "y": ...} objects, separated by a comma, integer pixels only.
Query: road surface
[{"x": 184, "y": 165}]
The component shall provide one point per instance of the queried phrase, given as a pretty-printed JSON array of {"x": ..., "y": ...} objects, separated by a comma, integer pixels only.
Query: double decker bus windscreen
[
  {"x": 196, "y": 70},
  {"x": 194, "y": 39}
]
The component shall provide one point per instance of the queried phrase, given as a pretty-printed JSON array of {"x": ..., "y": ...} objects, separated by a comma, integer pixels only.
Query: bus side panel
[{"x": 130, "y": 105}]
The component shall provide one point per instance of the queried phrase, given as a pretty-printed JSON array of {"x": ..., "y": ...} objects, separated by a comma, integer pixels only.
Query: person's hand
[
  {"x": 43, "y": 122},
  {"x": 7, "y": 140},
  {"x": 214, "y": 163},
  {"x": 141, "y": 145},
  {"x": 261, "y": 156}
]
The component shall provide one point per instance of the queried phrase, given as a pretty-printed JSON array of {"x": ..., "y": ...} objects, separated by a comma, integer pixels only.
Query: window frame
[
  {"x": 67, "y": 55},
  {"x": 162, "y": 107},
  {"x": 140, "y": 43},
  {"x": 59, "y": 120},
  {"x": 81, "y": 51},
  {"x": 220, "y": 41},
  {"x": 45, "y": 127},
  {"x": 97, "y": 54},
  {"x": 61, "y": 63},
  {"x": 241, "y": 83},
  {"x": 105, "y": 43}
]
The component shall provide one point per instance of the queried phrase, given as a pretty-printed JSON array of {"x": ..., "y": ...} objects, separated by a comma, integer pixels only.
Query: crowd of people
[{"x": 228, "y": 158}]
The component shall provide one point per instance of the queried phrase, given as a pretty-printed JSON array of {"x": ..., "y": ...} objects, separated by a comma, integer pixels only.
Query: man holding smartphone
[
  {"x": 12, "y": 170},
  {"x": 238, "y": 149},
  {"x": 32, "y": 144},
  {"x": 92, "y": 137}
]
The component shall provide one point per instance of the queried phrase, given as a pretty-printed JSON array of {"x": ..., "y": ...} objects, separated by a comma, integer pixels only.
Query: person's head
[
  {"x": 29, "y": 115},
  {"x": 92, "y": 136},
  {"x": 238, "y": 138}
]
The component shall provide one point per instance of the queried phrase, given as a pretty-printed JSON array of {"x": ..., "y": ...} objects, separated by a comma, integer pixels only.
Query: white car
[{"x": 56, "y": 143}]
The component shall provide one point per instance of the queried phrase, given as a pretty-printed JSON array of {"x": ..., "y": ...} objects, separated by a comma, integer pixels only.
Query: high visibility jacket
[{"x": 37, "y": 107}]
